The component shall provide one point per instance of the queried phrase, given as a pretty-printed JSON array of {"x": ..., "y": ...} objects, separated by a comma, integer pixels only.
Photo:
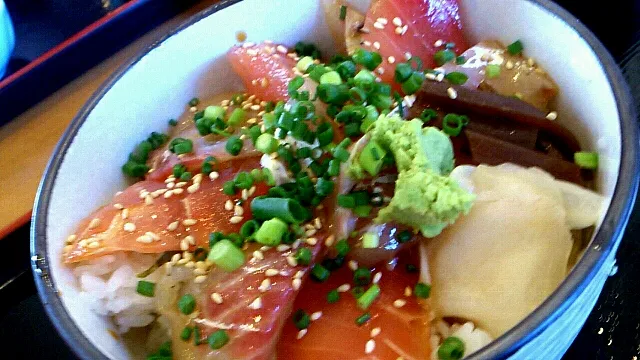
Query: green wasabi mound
[{"x": 425, "y": 197}]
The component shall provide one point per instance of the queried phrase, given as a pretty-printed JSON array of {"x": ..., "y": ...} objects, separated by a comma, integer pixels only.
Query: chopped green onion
[
  {"x": 362, "y": 210},
  {"x": 214, "y": 237},
  {"x": 422, "y": 290},
  {"x": 304, "y": 63},
  {"x": 492, "y": 70},
  {"x": 194, "y": 101},
  {"x": 360, "y": 197},
  {"x": 362, "y": 319},
  {"x": 187, "y": 304},
  {"x": 185, "y": 176},
  {"x": 234, "y": 145},
  {"x": 237, "y": 117},
  {"x": 324, "y": 187},
  {"x": 364, "y": 79},
  {"x": 370, "y": 241},
  {"x": 271, "y": 232},
  {"x": 341, "y": 154},
  {"x": 319, "y": 273},
  {"x": 243, "y": 180},
  {"x": 303, "y": 255},
  {"x": 178, "y": 170},
  {"x": 410, "y": 268},
  {"x": 214, "y": 112},
  {"x": 181, "y": 146},
  {"x": 342, "y": 247},
  {"x": 371, "y": 157},
  {"x": 269, "y": 178},
  {"x": 449, "y": 45},
  {"x": 254, "y": 133},
  {"x": 515, "y": 48},
  {"x": 173, "y": 122},
  {"x": 316, "y": 71},
  {"x": 289, "y": 210},
  {"x": 452, "y": 348},
  {"x": 324, "y": 134},
  {"x": 586, "y": 160},
  {"x": 218, "y": 339},
  {"x": 333, "y": 94},
  {"x": 403, "y": 72},
  {"x": 413, "y": 83},
  {"x": 185, "y": 334},
  {"x": 404, "y": 236},
  {"x": 460, "y": 60},
  {"x": 197, "y": 339},
  {"x": 237, "y": 99},
  {"x": 346, "y": 69},
  {"x": 343, "y": 12},
  {"x": 368, "y": 59},
  {"x": 146, "y": 288},
  {"x": 368, "y": 297},
  {"x": 257, "y": 175},
  {"x": 334, "y": 168},
  {"x": 362, "y": 276},
  {"x": 294, "y": 85},
  {"x": 456, "y": 77},
  {"x": 134, "y": 169},
  {"x": 331, "y": 77},
  {"x": 229, "y": 188},
  {"x": 346, "y": 201},
  {"x": 226, "y": 255},
  {"x": 333, "y": 296},
  {"x": 444, "y": 56},
  {"x": 452, "y": 124},
  {"x": 303, "y": 152},
  {"x": 357, "y": 291},
  {"x": 428, "y": 115},
  {"x": 249, "y": 228},
  {"x": 236, "y": 239},
  {"x": 352, "y": 129},
  {"x": 301, "y": 319},
  {"x": 307, "y": 49}
]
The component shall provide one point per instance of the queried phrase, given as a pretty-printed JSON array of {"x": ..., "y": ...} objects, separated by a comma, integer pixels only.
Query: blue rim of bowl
[{"x": 593, "y": 259}]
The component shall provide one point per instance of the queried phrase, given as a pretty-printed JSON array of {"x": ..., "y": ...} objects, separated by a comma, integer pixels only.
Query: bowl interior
[{"x": 143, "y": 96}]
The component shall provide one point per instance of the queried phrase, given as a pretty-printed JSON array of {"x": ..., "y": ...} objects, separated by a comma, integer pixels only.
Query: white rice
[{"x": 108, "y": 286}]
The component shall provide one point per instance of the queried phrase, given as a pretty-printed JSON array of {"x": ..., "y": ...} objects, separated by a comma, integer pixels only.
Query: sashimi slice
[
  {"x": 421, "y": 24},
  {"x": 265, "y": 69},
  {"x": 130, "y": 219},
  {"x": 402, "y": 322}
]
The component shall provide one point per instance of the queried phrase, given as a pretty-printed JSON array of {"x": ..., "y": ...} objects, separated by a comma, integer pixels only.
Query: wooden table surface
[{"x": 26, "y": 143}]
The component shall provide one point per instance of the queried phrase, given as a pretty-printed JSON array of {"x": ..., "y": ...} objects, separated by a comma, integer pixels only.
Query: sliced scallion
[
  {"x": 226, "y": 255},
  {"x": 271, "y": 232},
  {"x": 369, "y": 296}
]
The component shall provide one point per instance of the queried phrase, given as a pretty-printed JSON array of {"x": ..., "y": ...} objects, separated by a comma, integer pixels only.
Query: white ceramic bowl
[{"x": 139, "y": 98}]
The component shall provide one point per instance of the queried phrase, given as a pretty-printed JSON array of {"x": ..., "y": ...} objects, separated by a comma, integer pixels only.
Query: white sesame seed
[
  {"x": 94, "y": 223},
  {"x": 382, "y": 20},
  {"x": 217, "y": 298},
  {"x": 377, "y": 277},
  {"x": 265, "y": 248},
  {"x": 440, "y": 77},
  {"x": 380, "y": 70},
  {"x": 265, "y": 285},
  {"x": 143, "y": 193},
  {"x": 190, "y": 265},
  {"x": 189, "y": 222},
  {"x": 235, "y": 219},
  {"x": 329, "y": 240},
  {"x": 193, "y": 188},
  {"x": 509, "y": 65},
  {"x": 190, "y": 240},
  {"x": 187, "y": 255},
  {"x": 378, "y": 25},
  {"x": 407, "y": 55},
  {"x": 168, "y": 267},
  {"x": 344, "y": 288},
  {"x": 201, "y": 265},
  {"x": 438, "y": 43},
  {"x": 256, "y": 304},
  {"x": 369, "y": 346},
  {"x": 301, "y": 334},
  {"x": 366, "y": 43},
  {"x": 407, "y": 291},
  {"x": 238, "y": 210},
  {"x": 118, "y": 206},
  {"x": 129, "y": 227},
  {"x": 452, "y": 93},
  {"x": 282, "y": 49},
  {"x": 531, "y": 62},
  {"x": 283, "y": 247},
  {"x": 252, "y": 190},
  {"x": 148, "y": 200},
  {"x": 175, "y": 258},
  {"x": 184, "y": 246},
  {"x": 552, "y": 115},
  {"x": 213, "y": 175},
  {"x": 291, "y": 260},
  {"x": 181, "y": 184},
  {"x": 197, "y": 271},
  {"x": 397, "y": 21},
  {"x": 399, "y": 303},
  {"x": 245, "y": 194},
  {"x": 271, "y": 272},
  {"x": 169, "y": 179},
  {"x": 316, "y": 315},
  {"x": 296, "y": 244},
  {"x": 398, "y": 30},
  {"x": 171, "y": 185},
  {"x": 299, "y": 274},
  {"x": 376, "y": 45},
  {"x": 295, "y": 284},
  {"x": 173, "y": 226},
  {"x": 71, "y": 239},
  {"x": 310, "y": 232},
  {"x": 178, "y": 191},
  {"x": 375, "y": 332},
  {"x": 353, "y": 265},
  {"x": 200, "y": 279},
  {"x": 391, "y": 59},
  {"x": 182, "y": 261},
  {"x": 152, "y": 235},
  {"x": 82, "y": 243},
  {"x": 430, "y": 76},
  {"x": 228, "y": 205},
  {"x": 311, "y": 241},
  {"x": 258, "y": 255},
  {"x": 144, "y": 239},
  {"x": 168, "y": 194},
  {"x": 93, "y": 245}
]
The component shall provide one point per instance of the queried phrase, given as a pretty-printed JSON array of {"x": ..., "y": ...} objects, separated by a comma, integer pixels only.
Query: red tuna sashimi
[
  {"x": 401, "y": 323},
  {"x": 422, "y": 23},
  {"x": 265, "y": 69},
  {"x": 253, "y": 326},
  {"x": 132, "y": 222}
]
